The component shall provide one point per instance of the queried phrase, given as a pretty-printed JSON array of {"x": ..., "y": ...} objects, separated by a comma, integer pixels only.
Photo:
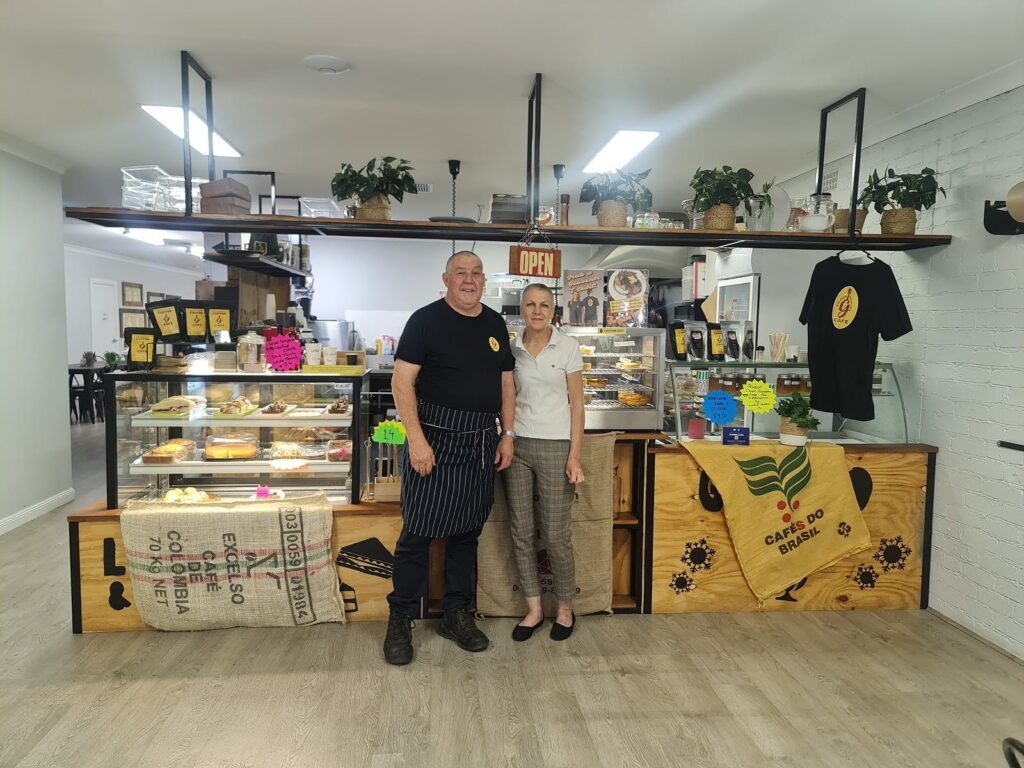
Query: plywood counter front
[{"x": 694, "y": 567}]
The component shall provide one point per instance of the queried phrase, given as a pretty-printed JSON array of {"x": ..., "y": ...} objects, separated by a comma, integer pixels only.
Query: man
[
  {"x": 452, "y": 385},
  {"x": 590, "y": 307}
]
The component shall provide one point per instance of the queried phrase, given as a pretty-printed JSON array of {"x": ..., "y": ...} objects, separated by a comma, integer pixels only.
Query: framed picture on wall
[
  {"x": 131, "y": 294},
  {"x": 133, "y": 318},
  {"x": 152, "y": 296}
]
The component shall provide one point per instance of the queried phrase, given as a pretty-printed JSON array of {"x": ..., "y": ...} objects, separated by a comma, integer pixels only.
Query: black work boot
[
  {"x": 398, "y": 640},
  {"x": 458, "y": 625}
]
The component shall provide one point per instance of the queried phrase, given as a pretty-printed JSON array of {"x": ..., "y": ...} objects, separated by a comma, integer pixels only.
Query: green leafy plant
[
  {"x": 618, "y": 185},
  {"x": 900, "y": 190},
  {"x": 797, "y": 409},
  {"x": 721, "y": 187},
  {"x": 388, "y": 176},
  {"x": 111, "y": 358},
  {"x": 763, "y": 199}
]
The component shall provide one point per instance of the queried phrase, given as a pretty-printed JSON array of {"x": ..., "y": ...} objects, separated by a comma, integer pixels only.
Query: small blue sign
[
  {"x": 735, "y": 436},
  {"x": 719, "y": 407}
]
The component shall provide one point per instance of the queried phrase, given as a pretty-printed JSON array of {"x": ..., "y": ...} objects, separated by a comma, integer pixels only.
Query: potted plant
[
  {"x": 795, "y": 419},
  {"x": 760, "y": 209},
  {"x": 718, "y": 192},
  {"x": 612, "y": 192},
  {"x": 112, "y": 359},
  {"x": 899, "y": 196},
  {"x": 373, "y": 185}
]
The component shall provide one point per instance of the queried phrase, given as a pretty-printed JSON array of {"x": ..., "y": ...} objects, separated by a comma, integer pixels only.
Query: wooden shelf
[
  {"x": 505, "y": 233},
  {"x": 625, "y": 521},
  {"x": 623, "y": 603}
]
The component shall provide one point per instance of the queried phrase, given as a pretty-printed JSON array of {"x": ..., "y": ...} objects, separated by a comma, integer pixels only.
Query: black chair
[{"x": 97, "y": 394}]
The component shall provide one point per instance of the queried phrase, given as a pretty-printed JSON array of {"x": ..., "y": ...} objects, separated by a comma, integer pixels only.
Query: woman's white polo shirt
[{"x": 542, "y": 394}]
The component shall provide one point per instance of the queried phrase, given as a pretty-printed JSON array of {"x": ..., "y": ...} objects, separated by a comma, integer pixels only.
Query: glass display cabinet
[
  {"x": 186, "y": 436},
  {"x": 687, "y": 383},
  {"x": 622, "y": 374}
]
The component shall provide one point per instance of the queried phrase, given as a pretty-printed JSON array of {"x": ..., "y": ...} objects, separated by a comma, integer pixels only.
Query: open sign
[{"x": 534, "y": 262}]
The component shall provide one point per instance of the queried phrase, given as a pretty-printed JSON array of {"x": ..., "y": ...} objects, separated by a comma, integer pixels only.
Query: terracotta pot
[
  {"x": 721, "y": 216},
  {"x": 790, "y": 433},
  {"x": 843, "y": 219},
  {"x": 611, "y": 213},
  {"x": 901, "y": 221},
  {"x": 377, "y": 208}
]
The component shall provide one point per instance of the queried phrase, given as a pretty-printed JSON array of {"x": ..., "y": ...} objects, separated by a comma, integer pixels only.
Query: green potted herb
[
  {"x": 795, "y": 419},
  {"x": 112, "y": 359},
  {"x": 612, "y": 192},
  {"x": 899, "y": 196},
  {"x": 718, "y": 192},
  {"x": 373, "y": 185}
]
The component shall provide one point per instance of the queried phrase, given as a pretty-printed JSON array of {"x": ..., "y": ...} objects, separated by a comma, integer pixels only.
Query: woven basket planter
[
  {"x": 843, "y": 219},
  {"x": 901, "y": 221},
  {"x": 721, "y": 216},
  {"x": 611, "y": 213},
  {"x": 377, "y": 208},
  {"x": 790, "y": 433}
]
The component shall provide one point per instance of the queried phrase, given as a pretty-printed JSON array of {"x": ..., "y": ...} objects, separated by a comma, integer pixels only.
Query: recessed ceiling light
[
  {"x": 198, "y": 133},
  {"x": 623, "y": 147},
  {"x": 327, "y": 65}
]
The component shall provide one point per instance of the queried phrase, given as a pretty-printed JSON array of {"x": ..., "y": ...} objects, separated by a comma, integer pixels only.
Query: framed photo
[
  {"x": 131, "y": 295},
  {"x": 152, "y": 296},
  {"x": 133, "y": 318}
]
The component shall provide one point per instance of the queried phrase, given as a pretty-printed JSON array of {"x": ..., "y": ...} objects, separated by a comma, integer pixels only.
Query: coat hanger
[{"x": 857, "y": 248}]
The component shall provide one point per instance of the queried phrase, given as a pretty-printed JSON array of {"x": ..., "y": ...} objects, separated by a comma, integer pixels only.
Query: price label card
[
  {"x": 757, "y": 396},
  {"x": 719, "y": 407}
]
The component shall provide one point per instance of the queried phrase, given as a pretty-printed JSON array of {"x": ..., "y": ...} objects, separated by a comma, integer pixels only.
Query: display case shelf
[
  {"x": 505, "y": 233},
  {"x": 240, "y": 467},
  {"x": 253, "y": 420}
]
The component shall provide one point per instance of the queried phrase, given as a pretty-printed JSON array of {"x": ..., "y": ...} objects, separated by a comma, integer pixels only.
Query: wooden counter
[{"x": 894, "y": 485}]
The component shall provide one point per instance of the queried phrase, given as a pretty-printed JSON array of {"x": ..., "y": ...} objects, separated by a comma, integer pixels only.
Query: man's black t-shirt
[
  {"x": 461, "y": 358},
  {"x": 590, "y": 306},
  {"x": 846, "y": 308}
]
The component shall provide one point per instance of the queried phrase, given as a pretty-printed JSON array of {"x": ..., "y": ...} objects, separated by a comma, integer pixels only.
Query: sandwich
[{"x": 179, "y": 404}]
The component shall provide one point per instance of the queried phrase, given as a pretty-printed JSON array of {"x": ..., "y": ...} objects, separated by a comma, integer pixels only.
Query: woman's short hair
[{"x": 539, "y": 287}]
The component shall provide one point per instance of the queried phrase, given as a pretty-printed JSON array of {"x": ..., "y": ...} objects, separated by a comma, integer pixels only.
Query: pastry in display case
[
  {"x": 223, "y": 434},
  {"x": 623, "y": 371}
]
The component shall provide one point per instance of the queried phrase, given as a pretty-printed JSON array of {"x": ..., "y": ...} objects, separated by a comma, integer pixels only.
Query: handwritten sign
[
  {"x": 389, "y": 432},
  {"x": 757, "y": 396},
  {"x": 534, "y": 262},
  {"x": 719, "y": 407}
]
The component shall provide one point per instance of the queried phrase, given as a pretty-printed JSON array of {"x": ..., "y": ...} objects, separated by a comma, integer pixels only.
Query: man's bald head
[{"x": 459, "y": 256}]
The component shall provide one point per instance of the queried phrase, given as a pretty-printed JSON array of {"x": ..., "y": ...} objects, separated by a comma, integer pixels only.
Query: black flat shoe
[
  {"x": 521, "y": 633},
  {"x": 562, "y": 632}
]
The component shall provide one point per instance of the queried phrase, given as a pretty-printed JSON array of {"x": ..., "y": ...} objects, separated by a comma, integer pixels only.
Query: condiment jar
[{"x": 251, "y": 353}]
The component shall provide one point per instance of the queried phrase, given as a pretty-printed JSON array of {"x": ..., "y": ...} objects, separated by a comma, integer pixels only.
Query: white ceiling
[{"x": 736, "y": 83}]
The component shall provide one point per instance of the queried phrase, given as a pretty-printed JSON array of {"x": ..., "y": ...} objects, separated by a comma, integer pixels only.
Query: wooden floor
[{"x": 794, "y": 690}]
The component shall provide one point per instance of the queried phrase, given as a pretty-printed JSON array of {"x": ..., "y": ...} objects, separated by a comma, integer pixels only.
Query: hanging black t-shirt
[
  {"x": 461, "y": 358},
  {"x": 846, "y": 309},
  {"x": 590, "y": 307}
]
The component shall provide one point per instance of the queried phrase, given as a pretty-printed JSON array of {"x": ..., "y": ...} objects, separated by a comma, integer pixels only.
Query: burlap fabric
[
  {"x": 497, "y": 590},
  {"x": 233, "y": 564}
]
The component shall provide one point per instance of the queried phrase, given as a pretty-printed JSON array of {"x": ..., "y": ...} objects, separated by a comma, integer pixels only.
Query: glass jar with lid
[
  {"x": 251, "y": 353},
  {"x": 824, "y": 204},
  {"x": 648, "y": 220},
  {"x": 798, "y": 208}
]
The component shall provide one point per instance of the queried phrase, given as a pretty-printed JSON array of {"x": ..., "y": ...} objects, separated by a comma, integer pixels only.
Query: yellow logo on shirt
[
  {"x": 494, "y": 343},
  {"x": 844, "y": 309}
]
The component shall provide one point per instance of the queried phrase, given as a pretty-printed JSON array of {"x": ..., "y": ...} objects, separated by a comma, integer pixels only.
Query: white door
[{"x": 103, "y": 305}]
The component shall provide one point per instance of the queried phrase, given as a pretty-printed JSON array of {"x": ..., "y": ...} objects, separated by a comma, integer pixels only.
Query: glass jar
[
  {"x": 805, "y": 384},
  {"x": 787, "y": 384},
  {"x": 648, "y": 220},
  {"x": 251, "y": 353},
  {"x": 797, "y": 209},
  {"x": 760, "y": 217},
  {"x": 823, "y": 204}
]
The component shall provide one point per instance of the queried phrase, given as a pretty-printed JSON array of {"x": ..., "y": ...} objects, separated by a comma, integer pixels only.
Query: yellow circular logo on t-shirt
[
  {"x": 494, "y": 343},
  {"x": 844, "y": 308}
]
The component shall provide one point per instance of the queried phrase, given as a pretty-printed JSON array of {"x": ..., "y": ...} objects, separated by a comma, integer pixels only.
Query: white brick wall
[{"x": 962, "y": 368}]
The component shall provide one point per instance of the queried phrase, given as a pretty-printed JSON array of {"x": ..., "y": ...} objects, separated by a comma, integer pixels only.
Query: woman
[{"x": 546, "y": 464}]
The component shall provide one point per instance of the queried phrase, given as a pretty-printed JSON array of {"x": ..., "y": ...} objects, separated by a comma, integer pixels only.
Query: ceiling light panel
[
  {"x": 198, "y": 133},
  {"x": 623, "y": 147}
]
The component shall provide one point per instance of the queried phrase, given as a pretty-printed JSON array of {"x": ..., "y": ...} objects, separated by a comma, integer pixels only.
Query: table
[{"x": 88, "y": 374}]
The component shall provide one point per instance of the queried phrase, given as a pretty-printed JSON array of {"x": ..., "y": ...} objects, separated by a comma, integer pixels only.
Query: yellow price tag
[{"x": 757, "y": 396}]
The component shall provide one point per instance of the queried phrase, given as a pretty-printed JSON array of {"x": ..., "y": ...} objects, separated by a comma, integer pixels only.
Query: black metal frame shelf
[
  {"x": 263, "y": 265},
  {"x": 501, "y": 233}
]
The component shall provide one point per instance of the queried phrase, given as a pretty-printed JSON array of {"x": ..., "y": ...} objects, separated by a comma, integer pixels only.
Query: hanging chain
[
  {"x": 558, "y": 202},
  {"x": 453, "y": 210}
]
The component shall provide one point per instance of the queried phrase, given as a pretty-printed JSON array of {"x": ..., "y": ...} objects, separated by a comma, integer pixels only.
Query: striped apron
[{"x": 457, "y": 495}]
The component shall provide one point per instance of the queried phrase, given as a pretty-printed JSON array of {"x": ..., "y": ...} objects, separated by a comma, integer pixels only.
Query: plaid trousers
[{"x": 540, "y": 496}]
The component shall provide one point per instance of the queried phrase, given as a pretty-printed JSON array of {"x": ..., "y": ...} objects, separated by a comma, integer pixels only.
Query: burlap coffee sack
[
  {"x": 230, "y": 564},
  {"x": 498, "y": 591}
]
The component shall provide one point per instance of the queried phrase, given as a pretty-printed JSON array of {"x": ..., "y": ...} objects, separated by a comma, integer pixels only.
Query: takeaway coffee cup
[
  {"x": 313, "y": 353},
  {"x": 330, "y": 355},
  {"x": 816, "y": 222}
]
